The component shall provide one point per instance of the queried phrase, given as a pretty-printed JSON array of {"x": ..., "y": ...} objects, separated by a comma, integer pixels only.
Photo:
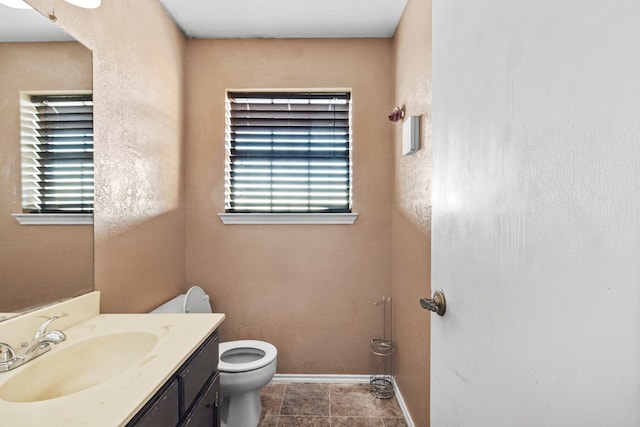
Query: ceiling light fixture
[{"x": 20, "y": 4}]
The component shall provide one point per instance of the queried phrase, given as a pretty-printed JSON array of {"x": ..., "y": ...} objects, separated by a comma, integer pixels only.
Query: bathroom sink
[{"x": 77, "y": 367}]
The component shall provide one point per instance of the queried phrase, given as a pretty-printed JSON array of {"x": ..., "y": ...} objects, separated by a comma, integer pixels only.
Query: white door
[{"x": 536, "y": 213}]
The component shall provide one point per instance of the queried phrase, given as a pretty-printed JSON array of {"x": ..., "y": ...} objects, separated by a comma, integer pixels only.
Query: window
[
  {"x": 57, "y": 153},
  {"x": 288, "y": 153}
]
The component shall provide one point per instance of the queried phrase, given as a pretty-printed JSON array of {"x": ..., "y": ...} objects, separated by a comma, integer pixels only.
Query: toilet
[{"x": 245, "y": 366}]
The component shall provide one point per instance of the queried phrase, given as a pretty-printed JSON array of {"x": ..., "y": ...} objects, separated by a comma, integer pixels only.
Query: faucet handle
[
  {"x": 7, "y": 353},
  {"x": 42, "y": 330}
]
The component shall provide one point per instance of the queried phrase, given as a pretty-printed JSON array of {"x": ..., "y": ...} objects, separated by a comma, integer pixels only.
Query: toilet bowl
[{"x": 245, "y": 366}]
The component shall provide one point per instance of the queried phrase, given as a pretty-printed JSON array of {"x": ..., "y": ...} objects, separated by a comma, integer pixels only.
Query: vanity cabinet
[
  {"x": 162, "y": 409},
  {"x": 190, "y": 397},
  {"x": 205, "y": 410}
]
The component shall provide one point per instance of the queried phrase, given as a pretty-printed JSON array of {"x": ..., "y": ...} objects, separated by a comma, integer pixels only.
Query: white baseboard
[
  {"x": 403, "y": 406},
  {"x": 321, "y": 378},
  {"x": 342, "y": 379}
]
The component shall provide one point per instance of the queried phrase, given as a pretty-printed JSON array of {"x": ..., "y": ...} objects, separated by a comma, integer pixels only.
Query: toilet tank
[
  {"x": 174, "y": 305},
  {"x": 194, "y": 301}
]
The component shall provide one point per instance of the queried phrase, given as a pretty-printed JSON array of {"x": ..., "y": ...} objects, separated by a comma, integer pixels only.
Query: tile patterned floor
[{"x": 327, "y": 405}]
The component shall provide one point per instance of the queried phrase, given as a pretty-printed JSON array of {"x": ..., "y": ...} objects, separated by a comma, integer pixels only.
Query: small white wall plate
[{"x": 411, "y": 135}]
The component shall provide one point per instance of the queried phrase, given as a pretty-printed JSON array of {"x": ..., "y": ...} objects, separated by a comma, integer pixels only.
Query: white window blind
[
  {"x": 288, "y": 152},
  {"x": 57, "y": 153}
]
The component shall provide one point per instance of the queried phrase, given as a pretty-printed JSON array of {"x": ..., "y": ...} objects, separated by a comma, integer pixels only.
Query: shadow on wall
[{"x": 143, "y": 272}]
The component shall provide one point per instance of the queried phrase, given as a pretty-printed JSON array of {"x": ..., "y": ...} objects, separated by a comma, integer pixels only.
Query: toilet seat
[{"x": 270, "y": 354}]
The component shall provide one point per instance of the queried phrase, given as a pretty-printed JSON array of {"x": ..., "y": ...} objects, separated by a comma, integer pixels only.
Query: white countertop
[{"x": 116, "y": 400}]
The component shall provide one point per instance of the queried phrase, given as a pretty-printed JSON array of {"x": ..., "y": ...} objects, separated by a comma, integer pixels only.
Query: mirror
[{"x": 39, "y": 264}]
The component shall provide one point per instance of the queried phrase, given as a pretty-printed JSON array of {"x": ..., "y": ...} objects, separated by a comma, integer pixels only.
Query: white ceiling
[
  {"x": 286, "y": 18},
  {"x": 241, "y": 19},
  {"x": 28, "y": 25}
]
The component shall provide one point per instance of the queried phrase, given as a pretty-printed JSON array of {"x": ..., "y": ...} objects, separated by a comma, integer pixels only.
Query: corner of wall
[{"x": 411, "y": 211}]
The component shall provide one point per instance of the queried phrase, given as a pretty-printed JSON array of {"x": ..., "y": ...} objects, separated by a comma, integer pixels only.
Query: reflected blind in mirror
[
  {"x": 57, "y": 153},
  {"x": 288, "y": 152}
]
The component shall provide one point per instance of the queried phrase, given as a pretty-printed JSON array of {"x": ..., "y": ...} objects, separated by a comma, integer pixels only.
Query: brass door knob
[{"x": 437, "y": 303}]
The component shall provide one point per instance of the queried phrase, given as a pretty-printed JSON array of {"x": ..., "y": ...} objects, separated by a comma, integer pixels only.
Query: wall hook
[{"x": 396, "y": 114}]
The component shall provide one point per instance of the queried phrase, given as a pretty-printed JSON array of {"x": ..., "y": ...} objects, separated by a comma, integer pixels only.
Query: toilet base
[{"x": 242, "y": 410}]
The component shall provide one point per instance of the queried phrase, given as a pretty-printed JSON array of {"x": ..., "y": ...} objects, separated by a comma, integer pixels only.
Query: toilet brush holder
[
  {"x": 381, "y": 356},
  {"x": 381, "y": 380}
]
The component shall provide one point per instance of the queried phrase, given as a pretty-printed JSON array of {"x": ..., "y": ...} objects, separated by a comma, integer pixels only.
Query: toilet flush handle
[{"x": 437, "y": 303}]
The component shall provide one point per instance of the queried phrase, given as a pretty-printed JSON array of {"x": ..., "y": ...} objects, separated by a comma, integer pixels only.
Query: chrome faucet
[{"x": 40, "y": 344}]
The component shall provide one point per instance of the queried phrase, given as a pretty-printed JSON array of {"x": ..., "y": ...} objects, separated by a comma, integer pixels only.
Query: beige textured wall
[
  {"x": 138, "y": 55},
  {"x": 38, "y": 264},
  {"x": 411, "y": 229},
  {"x": 308, "y": 289}
]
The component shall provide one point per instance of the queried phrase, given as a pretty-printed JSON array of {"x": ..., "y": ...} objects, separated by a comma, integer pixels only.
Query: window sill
[
  {"x": 302, "y": 218},
  {"x": 54, "y": 219}
]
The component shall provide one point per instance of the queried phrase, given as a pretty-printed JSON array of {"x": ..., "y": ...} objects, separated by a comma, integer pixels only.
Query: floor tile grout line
[
  {"x": 282, "y": 400},
  {"x": 281, "y": 404},
  {"x": 330, "y": 389}
]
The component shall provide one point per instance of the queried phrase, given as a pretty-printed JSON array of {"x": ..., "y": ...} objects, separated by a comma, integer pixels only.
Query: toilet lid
[
  {"x": 196, "y": 301},
  {"x": 269, "y": 350}
]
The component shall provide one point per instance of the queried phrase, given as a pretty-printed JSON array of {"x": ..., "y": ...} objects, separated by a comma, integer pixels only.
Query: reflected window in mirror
[
  {"x": 57, "y": 154},
  {"x": 43, "y": 263}
]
